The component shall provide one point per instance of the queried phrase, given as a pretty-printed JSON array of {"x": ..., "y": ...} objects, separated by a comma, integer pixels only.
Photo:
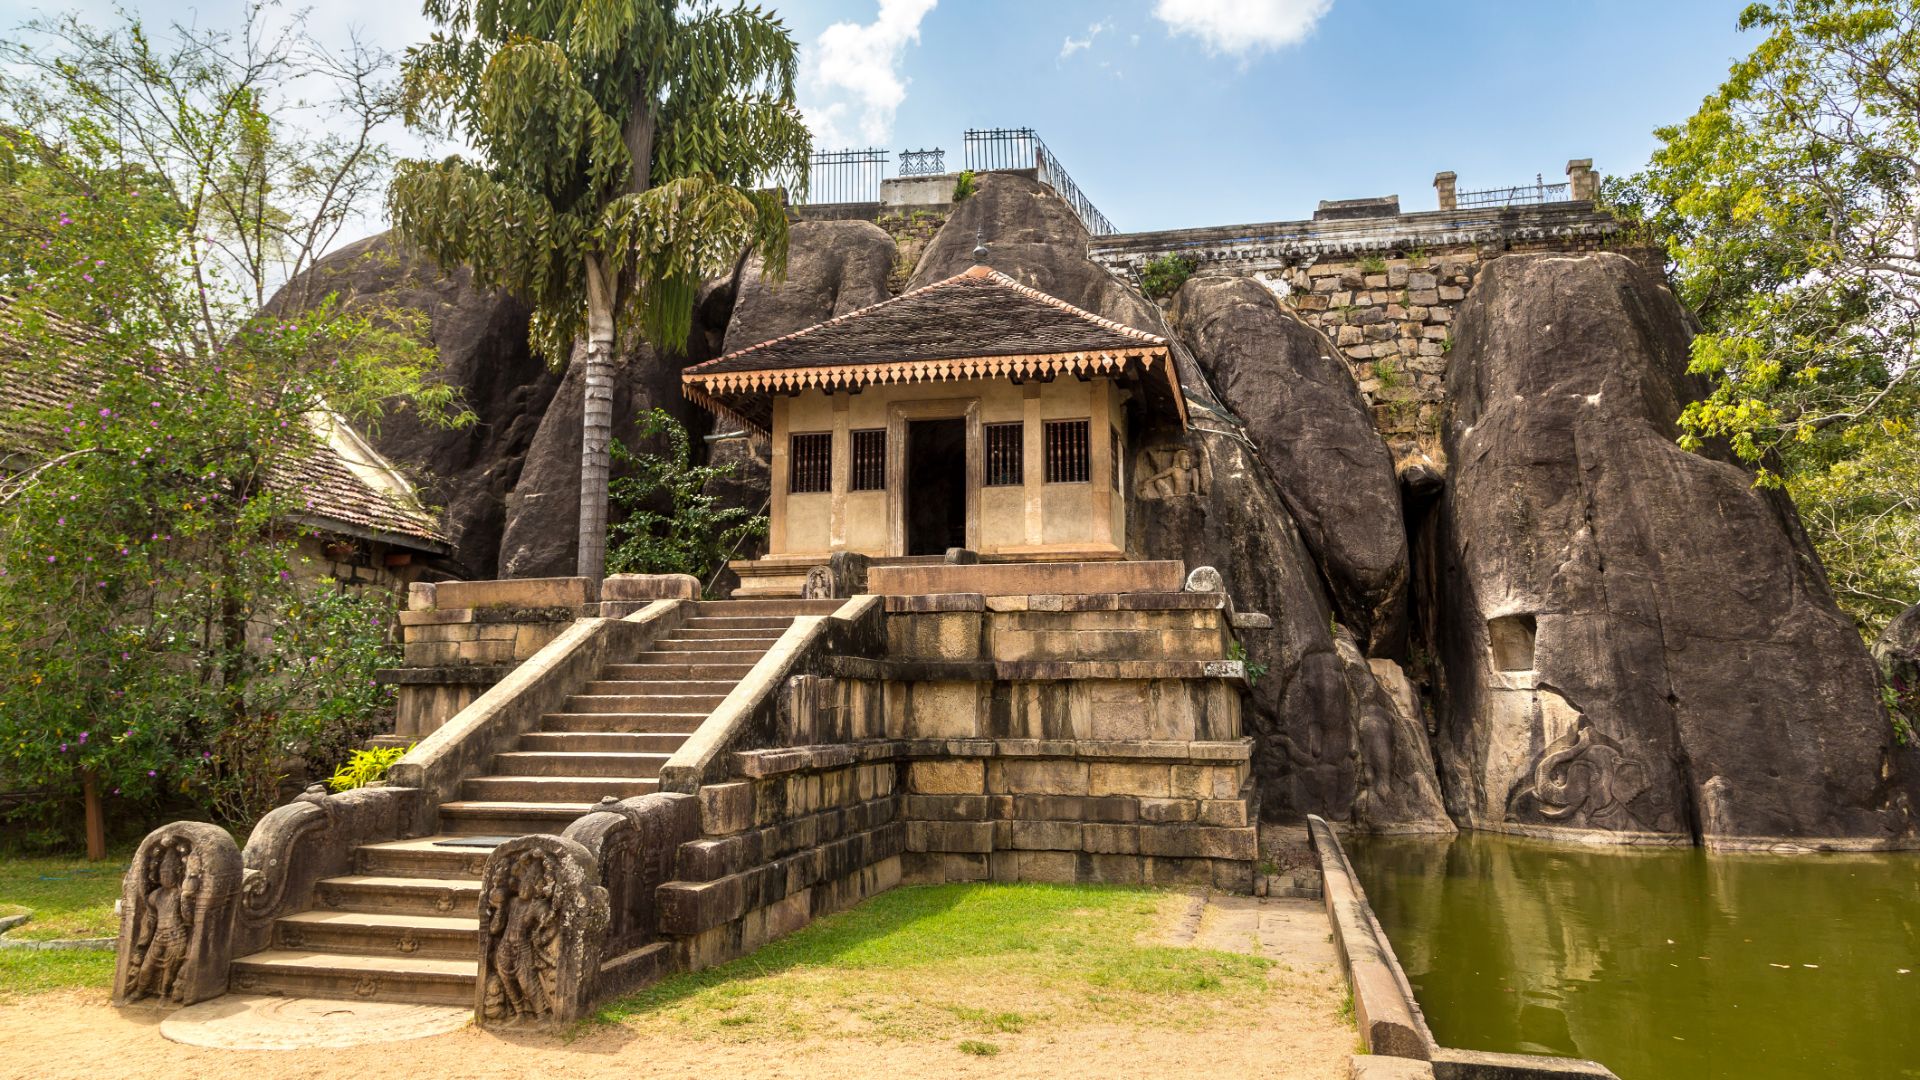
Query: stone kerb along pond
[{"x": 1663, "y": 963}]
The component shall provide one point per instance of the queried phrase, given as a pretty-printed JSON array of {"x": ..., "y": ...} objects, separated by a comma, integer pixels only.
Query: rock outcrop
[
  {"x": 481, "y": 335},
  {"x": 1635, "y": 639},
  {"x": 1292, "y": 391}
]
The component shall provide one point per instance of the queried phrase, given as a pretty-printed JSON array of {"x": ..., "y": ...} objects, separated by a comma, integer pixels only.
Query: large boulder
[
  {"x": 1635, "y": 639},
  {"x": 1329, "y": 738},
  {"x": 1034, "y": 237},
  {"x": 1294, "y": 394},
  {"x": 481, "y": 336}
]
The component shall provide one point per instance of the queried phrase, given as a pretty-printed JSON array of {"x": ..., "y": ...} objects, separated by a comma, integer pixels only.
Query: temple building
[{"x": 973, "y": 413}]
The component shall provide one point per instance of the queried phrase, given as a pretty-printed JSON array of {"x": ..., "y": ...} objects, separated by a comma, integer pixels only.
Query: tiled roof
[
  {"x": 344, "y": 485},
  {"x": 980, "y": 313},
  {"x": 977, "y": 324}
]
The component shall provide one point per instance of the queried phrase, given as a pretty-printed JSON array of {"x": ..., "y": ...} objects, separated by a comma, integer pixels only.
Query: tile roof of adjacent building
[
  {"x": 345, "y": 485},
  {"x": 976, "y": 324}
]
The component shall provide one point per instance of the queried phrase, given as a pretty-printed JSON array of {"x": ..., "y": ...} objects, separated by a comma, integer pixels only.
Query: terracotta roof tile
[{"x": 333, "y": 493}]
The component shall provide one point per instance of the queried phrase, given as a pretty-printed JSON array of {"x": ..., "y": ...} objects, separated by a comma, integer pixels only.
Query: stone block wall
[
  {"x": 1072, "y": 739},
  {"x": 814, "y": 832},
  {"x": 458, "y": 638}
]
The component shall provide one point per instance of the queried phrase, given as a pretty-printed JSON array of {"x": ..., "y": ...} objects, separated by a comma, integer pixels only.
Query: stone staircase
[{"x": 403, "y": 928}]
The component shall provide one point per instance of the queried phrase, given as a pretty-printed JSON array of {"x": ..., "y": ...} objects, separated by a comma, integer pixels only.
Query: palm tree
[{"x": 622, "y": 145}]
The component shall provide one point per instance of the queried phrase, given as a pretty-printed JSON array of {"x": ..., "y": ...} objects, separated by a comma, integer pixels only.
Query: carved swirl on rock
[{"x": 1584, "y": 779}]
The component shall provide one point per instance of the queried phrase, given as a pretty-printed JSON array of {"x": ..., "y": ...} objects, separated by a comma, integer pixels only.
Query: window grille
[
  {"x": 812, "y": 463},
  {"x": 870, "y": 460},
  {"x": 1113, "y": 458},
  {"x": 1067, "y": 452},
  {"x": 1006, "y": 454}
]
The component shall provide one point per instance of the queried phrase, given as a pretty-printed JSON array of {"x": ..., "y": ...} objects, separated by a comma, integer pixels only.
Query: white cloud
[
  {"x": 850, "y": 75},
  {"x": 1073, "y": 44},
  {"x": 1239, "y": 27}
]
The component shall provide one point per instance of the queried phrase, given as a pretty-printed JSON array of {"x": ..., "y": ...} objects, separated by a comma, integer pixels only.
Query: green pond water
[{"x": 1659, "y": 964}]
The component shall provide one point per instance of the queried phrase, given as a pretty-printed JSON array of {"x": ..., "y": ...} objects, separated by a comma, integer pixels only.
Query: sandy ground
[{"x": 1294, "y": 1031}]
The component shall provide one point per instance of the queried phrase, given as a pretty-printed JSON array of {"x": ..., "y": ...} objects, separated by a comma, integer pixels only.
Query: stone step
[
  {"x": 644, "y": 703},
  {"x": 484, "y": 817},
  {"x": 656, "y": 687},
  {"x": 379, "y": 933},
  {"x": 608, "y": 742},
  {"x": 386, "y": 894},
  {"x": 557, "y": 789},
  {"x": 737, "y": 649},
  {"x": 659, "y": 723},
  {"x": 787, "y": 608},
  {"x": 740, "y": 622},
  {"x": 578, "y": 763},
  {"x": 301, "y": 973},
  {"x": 712, "y": 667},
  {"x": 726, "y": 633},
  {"x": 420, "y": 858}
]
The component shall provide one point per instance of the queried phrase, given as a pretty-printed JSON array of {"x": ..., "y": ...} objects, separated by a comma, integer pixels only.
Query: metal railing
[
  {"x": 842, "y": 176},
  {"x": 1021, "y": 148},
  {"x": 1524, "y": 195},
  {"x": 923, "y": 162}
]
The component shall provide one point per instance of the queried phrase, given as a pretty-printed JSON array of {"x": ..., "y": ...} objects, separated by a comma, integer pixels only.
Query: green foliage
[
  {"x": 1786, "y": 206},
  {"x": 667, "y": 522},
  {"x": 1373, "y": 264},
  {"x": 1254, "y": 668},
  {"x": 364, "y": 767},
  {"x": 632, "y": 136},
  {"x": 154, "y": 631},
  {"x": 965, "y": 185},
  {"x": 977, "y": 1048},
  {"x": 1387, "y": 374},
  {"x": 1162, "y": 277}
]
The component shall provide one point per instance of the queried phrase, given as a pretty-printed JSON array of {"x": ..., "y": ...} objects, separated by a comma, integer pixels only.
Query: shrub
[
  {"x": 965, "y": 185},
  {"x": 1162, "y": 277},
  {"x": 668, "y": 523},
  {"x": 363, "y": 767}
]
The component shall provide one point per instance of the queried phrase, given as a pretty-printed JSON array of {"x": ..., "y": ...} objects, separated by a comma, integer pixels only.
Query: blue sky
[{"x": 1175, "y": 113}]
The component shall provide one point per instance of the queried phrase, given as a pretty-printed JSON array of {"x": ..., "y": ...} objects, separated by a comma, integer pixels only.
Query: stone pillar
[
  {"x": 1582, "y": 181},
  {"x": 458, "y": 638},
  {"x": 1444, "y": 186}
]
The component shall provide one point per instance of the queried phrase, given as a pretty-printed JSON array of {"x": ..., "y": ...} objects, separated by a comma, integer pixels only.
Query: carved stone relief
[
  {"x": 543, "y": 921},
  {"x": 178, "y": 904},
  {"x": 1170, "y": 472}
]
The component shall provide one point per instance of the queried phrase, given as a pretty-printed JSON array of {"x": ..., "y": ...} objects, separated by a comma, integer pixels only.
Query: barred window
[
  {"x": 870, "y": 460},
  {"x": 1113, "y": 458},
  {"x": 1006, "y": 454},
  {"x": 1067, "y": 452},
  {"x": 812, "y": 463}
]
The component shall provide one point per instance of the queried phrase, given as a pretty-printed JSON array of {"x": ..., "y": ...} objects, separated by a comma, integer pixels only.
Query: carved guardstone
[
  {"x": 178, "y": 903},
  {"x": 543, "y": 921}
]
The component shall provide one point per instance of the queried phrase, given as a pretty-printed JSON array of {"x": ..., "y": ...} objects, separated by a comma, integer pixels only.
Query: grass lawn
[
  {"x": 963, "y": 964},
  {"x": 70, "y": 898}
]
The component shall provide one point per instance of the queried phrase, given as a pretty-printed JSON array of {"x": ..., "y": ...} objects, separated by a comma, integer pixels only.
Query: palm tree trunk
[{"x": 596, "y": 424}]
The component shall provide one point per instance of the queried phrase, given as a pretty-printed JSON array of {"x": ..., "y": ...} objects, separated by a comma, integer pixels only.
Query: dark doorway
[{"x": 936, "y": 486}]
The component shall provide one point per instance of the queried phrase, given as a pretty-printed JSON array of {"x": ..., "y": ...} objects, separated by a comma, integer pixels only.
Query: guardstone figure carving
[
  {"x": 178, "y": 903},
  {"x": 543, "y": 918}
]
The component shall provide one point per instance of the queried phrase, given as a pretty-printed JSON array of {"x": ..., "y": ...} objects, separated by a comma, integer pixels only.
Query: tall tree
[
  {"x": 157, "y": 641},
  {"x": 1789, "y": 205},
  {"x": 622, "y": 147}
]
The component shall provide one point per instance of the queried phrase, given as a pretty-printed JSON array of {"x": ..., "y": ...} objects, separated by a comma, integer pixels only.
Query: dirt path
[{"x": 1293, "y": 1031}]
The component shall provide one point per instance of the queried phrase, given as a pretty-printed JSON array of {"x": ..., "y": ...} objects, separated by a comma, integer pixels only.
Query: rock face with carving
[{"x": 1635, "y": 639}]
